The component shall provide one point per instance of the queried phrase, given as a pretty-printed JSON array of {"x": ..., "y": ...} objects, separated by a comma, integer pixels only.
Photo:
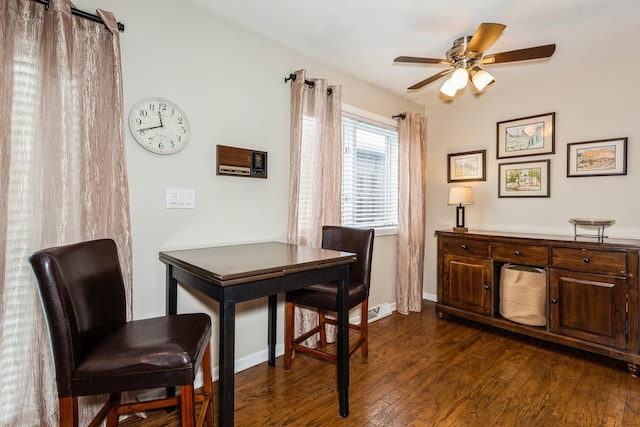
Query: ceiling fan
[{"x": 467, "y": 54}]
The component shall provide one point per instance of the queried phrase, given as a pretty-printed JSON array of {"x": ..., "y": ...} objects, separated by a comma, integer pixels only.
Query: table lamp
[{"x": 460, "y": 196}]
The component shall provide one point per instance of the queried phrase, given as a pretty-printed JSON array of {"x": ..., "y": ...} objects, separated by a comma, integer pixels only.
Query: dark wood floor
[{"x": 423, "y": 371}]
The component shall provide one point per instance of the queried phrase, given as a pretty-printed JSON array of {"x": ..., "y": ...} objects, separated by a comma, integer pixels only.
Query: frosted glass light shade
[
  {"x": 448, "y": 89},
  {"x": 481, "y": 79},
  {"x": 459, "y": 78}
]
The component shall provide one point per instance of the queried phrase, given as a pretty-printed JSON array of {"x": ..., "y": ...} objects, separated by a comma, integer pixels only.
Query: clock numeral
[
  {"x": 141, "y": 132},
  {"x": 138, "y": 122},
  {"x": 179, "y": 120},
  {"x": 143, "y": 113},
  {"x": 162, "y": 106},
  {"x": 161, "y": 146},
  {"x": 152, "y": 107}
]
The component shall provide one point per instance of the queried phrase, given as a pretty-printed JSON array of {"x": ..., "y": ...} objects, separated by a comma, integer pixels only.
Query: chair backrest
[
  {"x": 82, "y": 293},
  {"x": 356, "y": 240}
]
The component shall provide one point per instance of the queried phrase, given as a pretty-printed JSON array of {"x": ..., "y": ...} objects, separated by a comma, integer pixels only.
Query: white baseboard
[{"x": 430, "y": 297}]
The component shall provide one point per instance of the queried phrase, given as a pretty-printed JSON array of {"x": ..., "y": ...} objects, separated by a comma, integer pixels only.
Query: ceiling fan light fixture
[
  {"x": 481, "y": 78},
  {"x": 459, "y": 78},
  {"x": 448, "y": 89}
]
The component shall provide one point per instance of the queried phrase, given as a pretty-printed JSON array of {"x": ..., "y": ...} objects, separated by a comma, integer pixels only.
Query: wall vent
[{"x": 375, "y": 313}]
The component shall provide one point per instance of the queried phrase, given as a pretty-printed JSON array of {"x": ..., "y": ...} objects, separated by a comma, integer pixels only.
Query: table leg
[
  {"x": 273, "y": 315},
  {"x": 171, "y": 306},
  {"x": 343, "y": 343},
  {"x": 226, "y": 363},
  {"x": 172, "y": 292}
]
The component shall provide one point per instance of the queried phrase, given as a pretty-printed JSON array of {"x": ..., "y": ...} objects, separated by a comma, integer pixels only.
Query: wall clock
[{"x": 159, "y": 125}]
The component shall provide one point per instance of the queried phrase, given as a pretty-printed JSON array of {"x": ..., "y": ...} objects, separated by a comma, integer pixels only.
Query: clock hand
[{"x": 154, "y": 127}]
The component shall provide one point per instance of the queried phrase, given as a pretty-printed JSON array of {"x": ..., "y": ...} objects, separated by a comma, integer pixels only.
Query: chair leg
[
  {"x": 322, "y": 324},
  {"x": 68, "y": 407},
  {"x": 187, "y": 408},
  {"x": 112, "y": 415},
  {"x": 288, "y": 334},
  {"x": 207, "y": 388},
  {"x": 364, "y": 328}
]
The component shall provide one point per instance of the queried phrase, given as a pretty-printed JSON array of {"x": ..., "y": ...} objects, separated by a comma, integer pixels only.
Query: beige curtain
[
  {"x": 412, "y": 183},
  {"x": 62, "y": 178},
  {"x": 315, "y": 183}
]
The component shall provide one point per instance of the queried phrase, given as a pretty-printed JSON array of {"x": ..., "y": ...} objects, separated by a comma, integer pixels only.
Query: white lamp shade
[
  {"x": 459, "y": 78},
  {"x": 460, "y": 196},
  {"x": 481, "y": 79},
  {"x": 448, "y": 89}
]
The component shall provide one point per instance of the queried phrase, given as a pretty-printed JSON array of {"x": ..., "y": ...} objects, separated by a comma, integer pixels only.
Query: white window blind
[{"x": 369, "y": 173}]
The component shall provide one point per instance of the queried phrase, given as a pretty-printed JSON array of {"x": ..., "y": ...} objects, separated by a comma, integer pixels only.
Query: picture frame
[
  {"x": 467, "y": 166},
  {"x": 603, "y": 157},
  {"x": 527, "y": 136},
  {"x": 524, "y": 179}
]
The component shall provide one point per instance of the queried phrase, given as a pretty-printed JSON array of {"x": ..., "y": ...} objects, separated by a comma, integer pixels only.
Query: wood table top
[{"x": 232, "y": 265}]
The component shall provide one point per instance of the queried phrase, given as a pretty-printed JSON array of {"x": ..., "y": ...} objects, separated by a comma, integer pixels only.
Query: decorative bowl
[{"x": 592, "y": 222}]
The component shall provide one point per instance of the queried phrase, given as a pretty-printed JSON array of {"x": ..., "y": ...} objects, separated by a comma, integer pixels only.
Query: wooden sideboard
[{"x": 592, "y": 300}]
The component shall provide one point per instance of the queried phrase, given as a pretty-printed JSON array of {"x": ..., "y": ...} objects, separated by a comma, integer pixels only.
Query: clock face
[{"x": 159, "y": 125}]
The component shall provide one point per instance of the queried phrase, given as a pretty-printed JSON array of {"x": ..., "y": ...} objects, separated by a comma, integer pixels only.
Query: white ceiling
[{"x": 362, "y": 37}]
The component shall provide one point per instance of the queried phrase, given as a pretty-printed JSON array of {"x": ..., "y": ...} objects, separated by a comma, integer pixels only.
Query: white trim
[
  {"x": 430, "y": 297},
  {"x": 369, "y": 116},
  {"x": 386, "y": 231}
]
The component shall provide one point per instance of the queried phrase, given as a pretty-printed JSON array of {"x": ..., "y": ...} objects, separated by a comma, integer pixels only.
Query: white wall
[
  {"x": 588, "y": 107},
  {"x": 230, "y": 83}
]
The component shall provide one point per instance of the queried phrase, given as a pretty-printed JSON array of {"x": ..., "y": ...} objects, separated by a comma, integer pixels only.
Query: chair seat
[
  {"x": 324, "y": 296},
  {"x": 141, "y": 354}
]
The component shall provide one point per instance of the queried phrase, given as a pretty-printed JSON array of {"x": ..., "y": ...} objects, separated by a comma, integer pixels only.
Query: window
[{"x": 369, "y": 171}]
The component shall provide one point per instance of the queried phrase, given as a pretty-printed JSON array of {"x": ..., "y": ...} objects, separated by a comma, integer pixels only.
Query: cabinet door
[
  {"x": 587, "y": 306},
  {"x": 467, "y": 283}
]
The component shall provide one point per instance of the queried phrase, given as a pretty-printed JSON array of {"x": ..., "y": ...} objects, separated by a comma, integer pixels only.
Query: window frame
[{"x": 376, "y": 120}]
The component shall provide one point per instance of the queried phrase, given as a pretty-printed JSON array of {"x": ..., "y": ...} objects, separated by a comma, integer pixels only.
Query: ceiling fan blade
[
  {"x": 430, "y": 79},
  {"x": 520, "y": 54},
  {"x": 417, "y": 60},
  {"x": 486, "y": 34}
]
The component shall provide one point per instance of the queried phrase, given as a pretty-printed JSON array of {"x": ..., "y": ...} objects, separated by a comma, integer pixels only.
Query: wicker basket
[{"x": 523, "y": 294}]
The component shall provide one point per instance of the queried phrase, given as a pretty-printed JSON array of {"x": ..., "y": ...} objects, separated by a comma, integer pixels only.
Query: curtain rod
[
  {"x": 309, "y": 83},
  {"x": 400, "y": 116},
  {"x": 83, "y": 14}
]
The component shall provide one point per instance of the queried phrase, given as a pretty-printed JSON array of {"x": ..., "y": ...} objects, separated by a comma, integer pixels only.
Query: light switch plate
[{"x": 181, "y": 198}]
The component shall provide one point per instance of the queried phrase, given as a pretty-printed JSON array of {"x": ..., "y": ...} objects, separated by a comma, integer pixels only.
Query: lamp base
[{"x": 460, "y": 229}]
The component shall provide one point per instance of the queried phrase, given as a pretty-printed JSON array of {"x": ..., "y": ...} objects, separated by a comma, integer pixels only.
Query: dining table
[{"x": 232, "y": 274}]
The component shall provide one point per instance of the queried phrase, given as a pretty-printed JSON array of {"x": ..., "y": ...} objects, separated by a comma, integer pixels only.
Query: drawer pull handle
[
  {"x": 486, "y": 287},
  {"x": 516, "y": 252},
  {"x": 554, "y": 301},
  {"x": 464, "y": 247},
  {"x": 585, "y": 259}
]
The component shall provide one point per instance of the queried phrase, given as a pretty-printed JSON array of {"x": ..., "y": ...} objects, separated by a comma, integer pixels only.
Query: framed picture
[
  {"x": 467, "y": 166},
  {"x": 524, "y": 179},
  {"x": 597, "y": 158},
  {"x": 528, "y": 136}
]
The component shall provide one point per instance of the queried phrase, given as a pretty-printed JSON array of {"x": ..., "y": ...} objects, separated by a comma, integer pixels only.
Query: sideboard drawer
[
  {"x": 520, "y": 253},
  {"x": 462, "y": 246},
  {"x": 603, "y": 262}
]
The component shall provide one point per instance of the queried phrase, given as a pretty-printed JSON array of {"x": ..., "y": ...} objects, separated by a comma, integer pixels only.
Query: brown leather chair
[
  {"x": 323, "y": 297},
  {"x": 96, "y": 351}
]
